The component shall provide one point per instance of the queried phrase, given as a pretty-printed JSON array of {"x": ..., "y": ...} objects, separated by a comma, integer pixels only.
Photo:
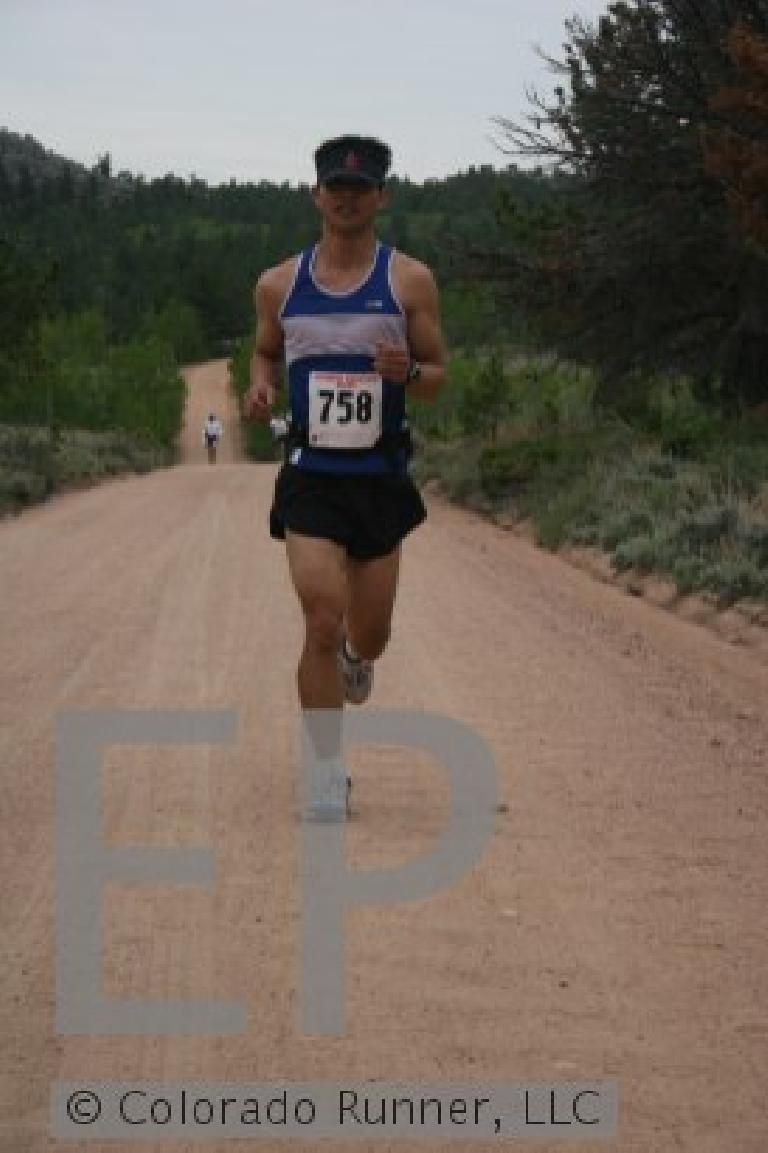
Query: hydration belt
[{"x": 390, "y": 444}]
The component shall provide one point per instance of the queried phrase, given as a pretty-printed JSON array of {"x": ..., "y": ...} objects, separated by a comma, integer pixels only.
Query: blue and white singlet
[{"x": 333, "y": 391}]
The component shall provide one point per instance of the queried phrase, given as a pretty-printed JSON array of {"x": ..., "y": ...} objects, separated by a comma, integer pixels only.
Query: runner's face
[{"x": 348, "y": 208}]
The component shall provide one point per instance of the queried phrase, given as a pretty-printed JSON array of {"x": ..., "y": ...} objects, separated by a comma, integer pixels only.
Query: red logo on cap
[{"x": 352, "y": 161}]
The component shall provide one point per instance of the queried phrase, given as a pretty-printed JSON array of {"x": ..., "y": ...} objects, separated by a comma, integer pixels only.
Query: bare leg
[
  {"x": 372, "y": 589},
  {"x": 319, "y": 575}
]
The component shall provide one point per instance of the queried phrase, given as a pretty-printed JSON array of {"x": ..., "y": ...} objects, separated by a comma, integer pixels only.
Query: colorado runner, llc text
[{"x": 149, "y": 1110}]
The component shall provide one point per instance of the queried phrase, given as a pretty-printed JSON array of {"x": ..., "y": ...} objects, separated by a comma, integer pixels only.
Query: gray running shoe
[{"x": 357, "y": 675}]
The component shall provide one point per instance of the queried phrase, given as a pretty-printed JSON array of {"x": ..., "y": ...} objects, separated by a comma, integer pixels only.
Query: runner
[
  {"x": 212, "y": 433},
  {"x": 358, "y": 325}
]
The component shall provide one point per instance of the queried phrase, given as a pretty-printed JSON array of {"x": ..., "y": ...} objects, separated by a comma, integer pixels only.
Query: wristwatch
[{"x": 414, "y": 372}]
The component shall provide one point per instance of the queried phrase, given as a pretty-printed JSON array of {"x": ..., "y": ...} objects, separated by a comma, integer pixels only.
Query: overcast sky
[{"x": 248, "y": 88}]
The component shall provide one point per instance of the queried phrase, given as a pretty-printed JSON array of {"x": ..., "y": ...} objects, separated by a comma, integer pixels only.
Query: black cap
[{"x": 357, "y": 159}]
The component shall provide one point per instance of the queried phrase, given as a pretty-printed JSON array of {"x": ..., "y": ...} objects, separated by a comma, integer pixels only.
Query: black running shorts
[{"x": 367, "y": 515}]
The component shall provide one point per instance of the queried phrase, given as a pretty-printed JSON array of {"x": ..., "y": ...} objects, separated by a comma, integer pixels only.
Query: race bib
[{"x": 344, "y": 409}]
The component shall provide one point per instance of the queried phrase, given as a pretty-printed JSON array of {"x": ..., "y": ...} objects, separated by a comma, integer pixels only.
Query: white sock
[{"x": 328, "y": 768}]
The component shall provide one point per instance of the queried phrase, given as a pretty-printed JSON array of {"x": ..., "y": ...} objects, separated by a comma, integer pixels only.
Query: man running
[
  {"x": 212, "y": 433},
  {"x": 358, "y": 325}
]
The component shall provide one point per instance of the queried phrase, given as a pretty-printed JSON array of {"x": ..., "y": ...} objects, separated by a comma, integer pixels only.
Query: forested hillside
[
  {"x": 108, "y": 282},
  {"x": 186, "y": 255},
  {"x": 26, "y": 159}
]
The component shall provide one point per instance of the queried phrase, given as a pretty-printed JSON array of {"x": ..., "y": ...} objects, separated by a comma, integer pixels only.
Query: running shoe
[{"x": 357, "y": 675}]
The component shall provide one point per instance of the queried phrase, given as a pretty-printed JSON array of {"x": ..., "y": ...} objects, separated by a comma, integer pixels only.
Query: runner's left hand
[{"x": 391, "y": 361}]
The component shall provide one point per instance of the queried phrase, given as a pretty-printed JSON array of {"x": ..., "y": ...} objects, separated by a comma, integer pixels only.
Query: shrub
[
  {"x": 686, "y": 428},
  {"x": 706, "y": 527},
  {"x": 639, "y": 552},
  {"x": 625, "y": 524},
  {"x": 460, "y": 474},
  {"x": 753, "y": 538},
  {"x": 508, "y": 468},
  {"x": 689, "y": 573},
  {"x": 557, "y": 515},
  {"x": 19, "y": 488},
  {"x": 735, "y": 578},
  {"x": 34, "y": 465}
]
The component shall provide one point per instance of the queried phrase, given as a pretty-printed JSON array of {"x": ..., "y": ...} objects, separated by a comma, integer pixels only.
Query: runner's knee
[{"x": 324, "y": 621}]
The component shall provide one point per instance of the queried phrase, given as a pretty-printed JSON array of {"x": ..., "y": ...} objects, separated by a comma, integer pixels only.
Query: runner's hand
[
  {"x": 391, "y": 361},
  {"x": 258, "y": 403}
]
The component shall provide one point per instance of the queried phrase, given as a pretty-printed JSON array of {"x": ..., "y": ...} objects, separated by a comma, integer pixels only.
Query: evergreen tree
[{"x": 654, "y": 260}]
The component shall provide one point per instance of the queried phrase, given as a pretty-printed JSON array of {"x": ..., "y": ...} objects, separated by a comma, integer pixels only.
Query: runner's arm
[
  {"x": 425, "y": 335},
  {"x": 267, "y": 349},
  {"x": 417, "y": 290}
]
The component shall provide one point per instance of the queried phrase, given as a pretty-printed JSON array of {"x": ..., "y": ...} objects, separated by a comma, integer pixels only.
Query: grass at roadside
[
  {"x": 668, "y": 489},
  {"x": 33, "y": 467}
]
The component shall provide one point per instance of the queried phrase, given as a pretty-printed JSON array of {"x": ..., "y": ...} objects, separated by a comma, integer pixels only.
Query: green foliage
[
  {"x": 240, "y": 366},
  {"x": 440, "y": 418},
  {"x": 258, "y": 441},
  {"x": 736, "y": 578},
  {"x": 488, "y": 392},
  {"x": 642, "y": 262},
  {"x": 659, "y": 513},
  {"x": 26, "y": 284},
  {"x": 472, "y": 317},
  {"x": 20, "y": 488},
  {"x": 178, "y": 325},
  {"x": 133, "y": 249},
  {"x": 486, "y": 400},
  {"x": 683, "y": 494},
  {"x": 165, "y": 269},
  {"x": 638, "y": 552},
  {"x": 455, "y": 464},
  {"x": 63, "y": 371},
  {"x": 91, "y": 384},
  {"x": 34, "y": 464},
  {"x": 506, "y": 469},
  {"x": 684, "y": 425}
]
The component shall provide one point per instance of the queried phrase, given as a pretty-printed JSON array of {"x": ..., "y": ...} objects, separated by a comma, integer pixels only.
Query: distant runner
[
  {"x": 212, "y": 434},
  {"x": 358, "y": 325}
]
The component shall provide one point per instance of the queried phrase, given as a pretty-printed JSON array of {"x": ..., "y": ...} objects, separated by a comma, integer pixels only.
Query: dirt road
[{"x": 615, "y": 927}]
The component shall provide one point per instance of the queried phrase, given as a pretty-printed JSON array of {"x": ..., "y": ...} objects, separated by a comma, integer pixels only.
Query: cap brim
[{"x": 344, "y": 176}]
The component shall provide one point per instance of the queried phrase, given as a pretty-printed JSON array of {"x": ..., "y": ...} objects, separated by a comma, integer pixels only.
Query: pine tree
[{"x": 657, "y": 262}]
